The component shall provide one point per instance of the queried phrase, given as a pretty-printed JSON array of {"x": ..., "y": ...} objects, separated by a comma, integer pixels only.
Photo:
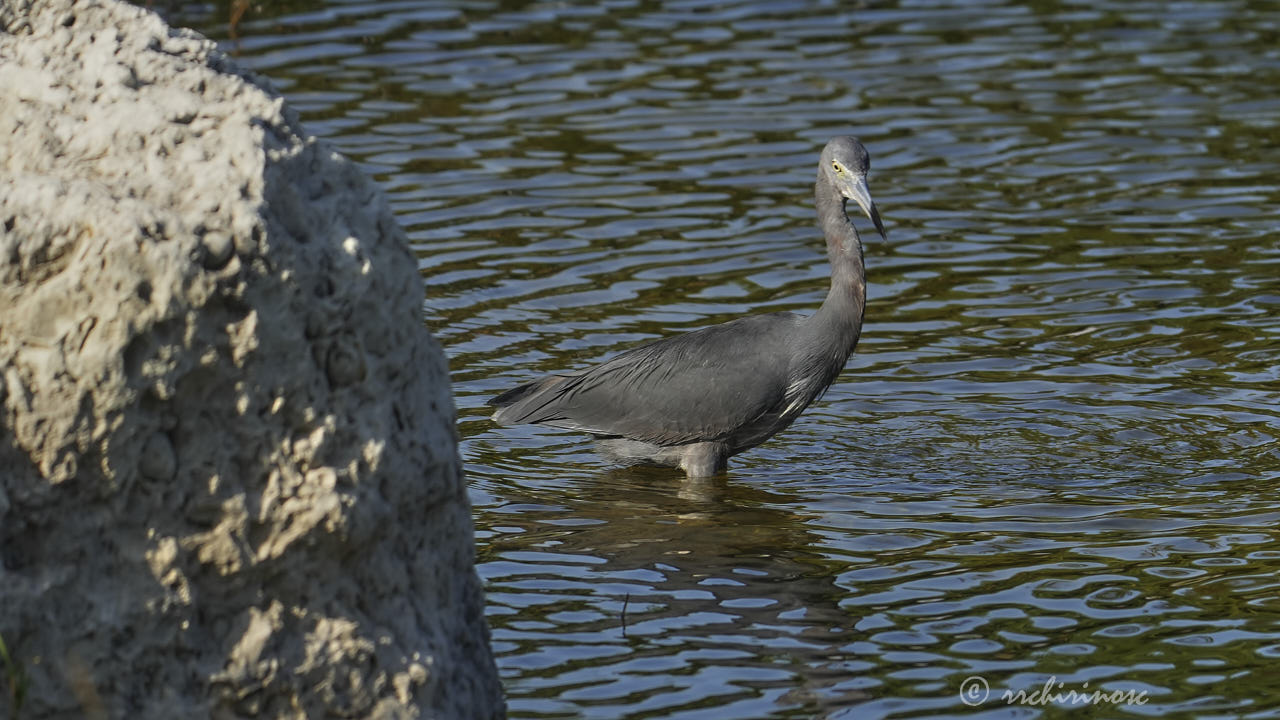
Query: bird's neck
[{"x": 841, "y": 313}]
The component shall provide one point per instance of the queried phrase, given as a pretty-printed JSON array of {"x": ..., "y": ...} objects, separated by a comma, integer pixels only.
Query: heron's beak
[{"x": 857, "y": 191}]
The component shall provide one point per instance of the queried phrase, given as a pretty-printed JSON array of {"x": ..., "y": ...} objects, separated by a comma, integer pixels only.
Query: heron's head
[{"x": 846, "y": 162}]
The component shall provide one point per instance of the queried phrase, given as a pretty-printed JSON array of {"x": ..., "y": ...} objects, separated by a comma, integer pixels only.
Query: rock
[
  {"x": 229, "y": 480},
  {"x": 158, "y": 461}
]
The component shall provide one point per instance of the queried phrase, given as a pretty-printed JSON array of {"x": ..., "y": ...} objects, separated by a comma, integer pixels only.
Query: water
[{"x": 1054, "y": 455}]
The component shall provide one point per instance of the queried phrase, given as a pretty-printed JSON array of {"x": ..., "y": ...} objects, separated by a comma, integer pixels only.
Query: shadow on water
[{"x": 639, "y": 570}]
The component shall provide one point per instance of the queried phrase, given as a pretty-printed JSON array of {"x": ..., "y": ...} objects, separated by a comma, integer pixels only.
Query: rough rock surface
[{"x": 229, "y": 482}]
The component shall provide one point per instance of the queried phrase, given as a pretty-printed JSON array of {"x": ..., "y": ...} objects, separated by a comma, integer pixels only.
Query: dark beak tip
[
  {"x": 859, "y": 193},
  {"x": 875, "y": 218}
]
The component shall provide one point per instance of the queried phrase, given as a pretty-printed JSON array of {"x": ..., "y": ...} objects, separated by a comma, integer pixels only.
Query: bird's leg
[{"x": 704, "y": 459}]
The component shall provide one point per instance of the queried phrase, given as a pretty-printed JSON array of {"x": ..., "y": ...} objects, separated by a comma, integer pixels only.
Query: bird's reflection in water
[{"x": 713, "y": 566}]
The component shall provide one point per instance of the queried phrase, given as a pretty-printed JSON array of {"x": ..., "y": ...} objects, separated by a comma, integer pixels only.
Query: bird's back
[{"x": 726, "y": 383}]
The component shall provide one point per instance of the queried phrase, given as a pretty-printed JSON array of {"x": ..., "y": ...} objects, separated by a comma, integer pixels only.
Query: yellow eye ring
[{"x": 835, "y": 165}]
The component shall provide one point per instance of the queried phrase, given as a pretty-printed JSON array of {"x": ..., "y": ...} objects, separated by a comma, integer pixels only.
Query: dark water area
[{"x": 1056, "y": 452}]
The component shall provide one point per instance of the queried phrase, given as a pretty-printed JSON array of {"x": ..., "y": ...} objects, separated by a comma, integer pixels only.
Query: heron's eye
[{"x": 836, "y": 166}]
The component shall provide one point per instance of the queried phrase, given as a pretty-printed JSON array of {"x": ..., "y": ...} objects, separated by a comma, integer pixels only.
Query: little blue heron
[{"x": 693, "y": 400}]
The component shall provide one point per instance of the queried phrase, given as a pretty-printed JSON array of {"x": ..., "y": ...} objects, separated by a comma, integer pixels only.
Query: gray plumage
[{"x": 694, "y": 400}]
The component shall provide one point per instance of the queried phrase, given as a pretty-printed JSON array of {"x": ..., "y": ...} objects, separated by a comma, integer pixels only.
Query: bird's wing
[{"x": 690, "y": 388}]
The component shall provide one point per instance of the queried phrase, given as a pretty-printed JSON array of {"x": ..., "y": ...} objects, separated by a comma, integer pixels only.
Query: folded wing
[{"x": 697, "y": 387}]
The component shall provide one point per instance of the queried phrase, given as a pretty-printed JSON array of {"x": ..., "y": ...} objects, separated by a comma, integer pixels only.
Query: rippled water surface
[{"x": 1054, "y": 455}]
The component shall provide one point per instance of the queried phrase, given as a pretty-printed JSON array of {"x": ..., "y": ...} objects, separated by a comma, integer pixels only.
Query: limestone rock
[{"x": 229, "y": 481}]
